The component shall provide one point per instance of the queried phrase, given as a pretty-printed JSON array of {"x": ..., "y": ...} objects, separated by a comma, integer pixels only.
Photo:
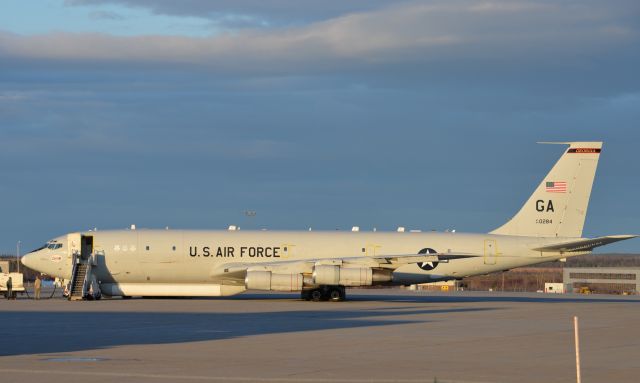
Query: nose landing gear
[{"x": 325, "y": 293}]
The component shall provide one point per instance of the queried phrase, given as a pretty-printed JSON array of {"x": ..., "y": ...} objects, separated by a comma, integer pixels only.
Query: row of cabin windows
[{"x": 172, "y": 248}]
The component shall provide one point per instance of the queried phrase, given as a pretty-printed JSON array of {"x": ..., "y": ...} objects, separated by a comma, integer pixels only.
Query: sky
[{"x": 333, "y": 114}]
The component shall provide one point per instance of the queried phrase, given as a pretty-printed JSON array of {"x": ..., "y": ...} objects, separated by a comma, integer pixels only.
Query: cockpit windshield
[{"x": 53, "y": 245}]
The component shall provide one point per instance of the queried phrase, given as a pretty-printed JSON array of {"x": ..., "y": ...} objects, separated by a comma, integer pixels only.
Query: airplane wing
[
  {"x": 583, "y": 244},
  {"x": 392, "y": 261},
  {"x": 237, "y": 271}
]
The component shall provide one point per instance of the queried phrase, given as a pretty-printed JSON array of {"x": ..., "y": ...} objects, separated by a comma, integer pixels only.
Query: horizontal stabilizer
[{"x": 584, "y": 244}]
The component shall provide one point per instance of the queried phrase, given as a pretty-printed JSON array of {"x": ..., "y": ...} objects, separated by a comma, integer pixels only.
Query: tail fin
[{"x": 558, "y": 206}]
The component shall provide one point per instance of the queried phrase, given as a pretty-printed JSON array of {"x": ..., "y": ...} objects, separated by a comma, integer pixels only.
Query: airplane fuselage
[{"x": 132, "y": 258}]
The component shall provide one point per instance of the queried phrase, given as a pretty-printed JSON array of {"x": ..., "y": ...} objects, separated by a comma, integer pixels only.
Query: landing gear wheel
[
  {"x": 337, "y": 294},
  {"x": 316, "y": 295},
  {"x": 305, "y": 295}
]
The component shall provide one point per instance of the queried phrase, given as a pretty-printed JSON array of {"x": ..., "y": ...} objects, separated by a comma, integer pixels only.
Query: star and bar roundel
[{"x": 427, "y": 265}]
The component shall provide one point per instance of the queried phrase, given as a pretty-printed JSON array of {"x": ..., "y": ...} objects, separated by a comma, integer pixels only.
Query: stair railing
[
  {"x": 87, "y": 276},
  {"x": 85, "y": 289},
  {"x": 74, "y": 270}
]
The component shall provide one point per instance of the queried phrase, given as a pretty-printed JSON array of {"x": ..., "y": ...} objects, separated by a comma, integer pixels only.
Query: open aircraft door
[
  {"x": 74, "y": 244},
  {"x": 80, "y": 245},
  {"x": 86, "y": 246}
]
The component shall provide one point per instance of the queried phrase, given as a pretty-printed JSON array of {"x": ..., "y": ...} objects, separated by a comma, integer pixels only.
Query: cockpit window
[{"x": 53, "y": 246}]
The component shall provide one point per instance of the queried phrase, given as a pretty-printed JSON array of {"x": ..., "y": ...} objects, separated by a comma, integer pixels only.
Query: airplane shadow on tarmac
[
  {"x": 42, "y": 332},
  {"x": 461, "y": 298},
  {"x": 497, "y": 298}
]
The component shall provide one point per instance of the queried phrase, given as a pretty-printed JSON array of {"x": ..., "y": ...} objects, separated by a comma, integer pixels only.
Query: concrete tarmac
[{"x": 377, "y": 336}]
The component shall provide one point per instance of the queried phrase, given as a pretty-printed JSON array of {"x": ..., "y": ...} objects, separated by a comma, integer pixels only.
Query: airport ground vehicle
[
  {"x": 17, "y": 280},
  {"x": 585, "y": 290}
]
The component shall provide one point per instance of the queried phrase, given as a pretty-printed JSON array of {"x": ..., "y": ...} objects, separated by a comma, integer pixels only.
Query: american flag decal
[{"x": 556, "y": 186}]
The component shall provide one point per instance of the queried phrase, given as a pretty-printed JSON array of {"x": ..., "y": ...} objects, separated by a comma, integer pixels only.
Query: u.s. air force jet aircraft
[{"x": 320, "y": 264}]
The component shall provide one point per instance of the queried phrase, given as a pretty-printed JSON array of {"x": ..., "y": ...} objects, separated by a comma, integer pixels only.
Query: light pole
[{"x": 18, "y": 254}]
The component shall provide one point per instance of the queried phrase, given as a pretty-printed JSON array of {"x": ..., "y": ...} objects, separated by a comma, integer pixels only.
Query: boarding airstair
[
  {"x": 83, "y": 285},
  {"x": 77, "y": 288}
]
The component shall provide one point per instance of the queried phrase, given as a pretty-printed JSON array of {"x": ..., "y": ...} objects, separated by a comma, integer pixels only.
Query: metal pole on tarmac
[
  {"x": 577, "y": 337},
  {"x": 18, "y": 254}
]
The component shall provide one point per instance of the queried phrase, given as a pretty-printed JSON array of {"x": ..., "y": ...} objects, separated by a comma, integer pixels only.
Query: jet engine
[
  {"x": 266, "y": 280},
  {"x": 349, "y": 276}
]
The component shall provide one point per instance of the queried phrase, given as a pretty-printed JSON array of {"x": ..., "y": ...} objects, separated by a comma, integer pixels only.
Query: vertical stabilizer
[{"x": 558, "y": 206}]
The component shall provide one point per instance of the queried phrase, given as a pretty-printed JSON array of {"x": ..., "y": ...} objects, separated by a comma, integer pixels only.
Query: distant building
[
  {"x": 554, "y": 288},
  {"x": 451, "y": 285},
  {"x": 602, "y": 279}
]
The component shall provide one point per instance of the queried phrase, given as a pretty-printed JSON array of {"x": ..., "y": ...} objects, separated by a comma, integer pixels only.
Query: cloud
[
  {"x": 546, "y": 33},
  {"x": 317, "y": 115},
  {"x": 105, "y": 15},
  {"x": 275, "y": 12},
  {"x": 13, "y": 96}
]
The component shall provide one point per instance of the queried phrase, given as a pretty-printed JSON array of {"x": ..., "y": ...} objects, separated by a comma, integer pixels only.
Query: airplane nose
[{"x": 28, "y": 260}]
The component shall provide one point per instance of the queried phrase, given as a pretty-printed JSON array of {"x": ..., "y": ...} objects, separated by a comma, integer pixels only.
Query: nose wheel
[{"x": 325, "y": 293}]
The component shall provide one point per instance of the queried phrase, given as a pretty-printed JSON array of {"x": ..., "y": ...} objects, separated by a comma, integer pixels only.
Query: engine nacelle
[
  {"x": 326, "y": 275},
  {"x": 348, "y": 276},
  {"x": 265, "y": 280},
  {"x": 351, "y": 276}
]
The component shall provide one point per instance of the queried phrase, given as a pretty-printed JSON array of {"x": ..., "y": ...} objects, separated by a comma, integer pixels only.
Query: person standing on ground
[
  {"x": 9, "y": 288},
  {"x": 37, "y": 286}
]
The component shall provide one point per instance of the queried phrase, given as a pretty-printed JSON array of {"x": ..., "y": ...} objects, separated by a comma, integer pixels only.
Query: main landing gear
[{"x": 325, "y": 293}]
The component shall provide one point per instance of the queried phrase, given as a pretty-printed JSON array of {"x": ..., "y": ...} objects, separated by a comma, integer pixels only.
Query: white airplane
[{"x": 321, "y": 263}]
